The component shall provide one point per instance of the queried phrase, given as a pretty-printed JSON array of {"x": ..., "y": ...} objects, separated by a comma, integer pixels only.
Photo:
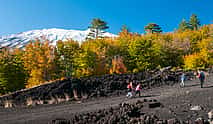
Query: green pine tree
[
  {"x": 194, "y": 22},
  {"x": 153, "y": 28},
  {"x": 184, "y": 25},
  {"x": 97, "y": 28}
]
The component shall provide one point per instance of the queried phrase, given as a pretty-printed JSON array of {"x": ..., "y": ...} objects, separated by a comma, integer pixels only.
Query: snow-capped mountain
[{"x": 21, "y": 39}]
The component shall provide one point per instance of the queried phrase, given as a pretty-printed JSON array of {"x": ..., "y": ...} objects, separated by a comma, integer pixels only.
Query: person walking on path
[
  {"x": 201, "y": 77},
  {"x": 129, "y": 88},
  {"x": 138, "y": 89},
  {"x": 182, "y": 78}
]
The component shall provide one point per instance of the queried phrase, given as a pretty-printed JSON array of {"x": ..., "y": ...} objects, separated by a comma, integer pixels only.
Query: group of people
[
  {"x": 132, "y": 90},
  {"x": 137, "y": 90},
  {"x": 200, "y": 75}
]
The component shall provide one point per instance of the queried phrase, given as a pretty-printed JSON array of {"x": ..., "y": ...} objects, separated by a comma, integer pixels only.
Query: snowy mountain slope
[{"x": 21, "y": 39}]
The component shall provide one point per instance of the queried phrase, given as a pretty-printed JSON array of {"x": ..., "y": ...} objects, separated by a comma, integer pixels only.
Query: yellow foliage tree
[
  {"x": 118, "y": 66},
  {"x": 104, "y": 50},
  {"x": 193, "y": 62},
  {"x": 36, "y": 78},
  {"x": 38, "y": 61},
  {"x": 203, "y": 58}
]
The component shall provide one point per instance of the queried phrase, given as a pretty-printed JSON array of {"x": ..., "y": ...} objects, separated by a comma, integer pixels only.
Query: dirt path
[{"x": 176, "y": 103}]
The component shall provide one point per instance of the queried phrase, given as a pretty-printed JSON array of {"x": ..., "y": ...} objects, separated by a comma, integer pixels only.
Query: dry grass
[
  {"x": 59, "y": 100},
  {"x": 56, "y": 99},
  {"x": 8, "y": 104},
  {"x": 52, "y": 101},
  {"x": 67, "y": 97},
  {"x": 39, "y": 102},
  {"x": 30, "y": 102}
]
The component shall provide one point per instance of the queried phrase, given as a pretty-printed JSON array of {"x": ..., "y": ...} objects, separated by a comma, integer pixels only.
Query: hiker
[
  {"x": 130, "y": 88},
  {"x": 201, "y": 77},
  {"x": 138, "y": 89},
  {"x": 182, "y": 78}
]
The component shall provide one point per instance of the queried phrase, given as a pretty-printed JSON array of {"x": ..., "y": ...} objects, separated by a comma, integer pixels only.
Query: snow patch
[{"x": 22, "y": 39}]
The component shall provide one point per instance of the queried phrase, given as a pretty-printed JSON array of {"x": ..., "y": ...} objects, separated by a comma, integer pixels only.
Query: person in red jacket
[{"x": 129, "y": 88}]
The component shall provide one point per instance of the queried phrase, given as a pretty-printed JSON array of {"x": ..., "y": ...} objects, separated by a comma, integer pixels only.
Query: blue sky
[{"x": 23, "y": 15}]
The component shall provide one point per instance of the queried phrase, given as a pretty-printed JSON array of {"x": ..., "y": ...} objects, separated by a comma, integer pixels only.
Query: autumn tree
[
  {"x": 202, "y": 58},
  {"x": 66, "y": 52},
  {"x": 118, "y": 66},
  {"x": 38, "y": 60},
  {"x": 123, "y": 41},
  {"x": 85, "y": 62},
  {"x": 97, "y": 28},
  {"x": 144, "y": 54},
  {"x": 153, "y": 28},
  {"x": 105, "y": 49},
  {"x": 12, "y": 73},
  {"x": 171, "y": 54}
]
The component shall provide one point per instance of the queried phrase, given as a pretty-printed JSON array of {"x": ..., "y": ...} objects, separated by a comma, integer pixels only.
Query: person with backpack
[
  {"x": 129, "y": 89},
  {"x": 201, "y": 77}
]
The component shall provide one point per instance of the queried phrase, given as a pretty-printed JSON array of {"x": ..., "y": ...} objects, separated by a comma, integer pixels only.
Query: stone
[
  {"x": 210, "y": 115},
  {"x": 60, "y": 121},
  {"x": 187, "y": 92},
  {"x": 154, "y": 104},
  {"x": 189, "y": 122},
  {"x": 199, "y": 121},
  {"x": 171, "y": 121},
  {"x": 145, "y": 100},
  {"x": 189, "y": 104},
  {"x": 196, "y": 108}
]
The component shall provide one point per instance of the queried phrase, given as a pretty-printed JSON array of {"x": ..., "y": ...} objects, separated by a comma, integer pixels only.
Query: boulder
[
  {"x": 210, "y": 114},
  {"x": 154, "y": 104}
]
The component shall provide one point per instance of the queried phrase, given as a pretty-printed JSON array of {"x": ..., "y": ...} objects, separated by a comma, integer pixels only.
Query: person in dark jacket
[{"x": 201, "y": 77}]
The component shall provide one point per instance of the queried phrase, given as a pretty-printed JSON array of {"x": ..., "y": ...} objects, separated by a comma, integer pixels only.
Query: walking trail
[{"x": 176, "y": 103}]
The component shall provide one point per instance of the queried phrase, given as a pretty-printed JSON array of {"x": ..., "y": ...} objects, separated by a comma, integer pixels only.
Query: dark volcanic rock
[
  {"x": 60, "y": 121},
  {"x": 154, "y": 104},
  {"x": 96, "y": 86}
]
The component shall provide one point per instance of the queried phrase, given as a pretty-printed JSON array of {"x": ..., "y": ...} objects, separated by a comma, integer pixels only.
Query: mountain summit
[{"x": 22, "y": 39}]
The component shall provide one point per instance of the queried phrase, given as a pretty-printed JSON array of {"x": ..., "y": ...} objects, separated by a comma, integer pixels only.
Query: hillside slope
[{"x": 176, "y": 103}]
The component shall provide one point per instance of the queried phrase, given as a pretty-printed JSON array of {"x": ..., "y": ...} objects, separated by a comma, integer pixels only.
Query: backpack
[
  {"x": 202, "y": 75},
  {"x": 129, "y": 86}
]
